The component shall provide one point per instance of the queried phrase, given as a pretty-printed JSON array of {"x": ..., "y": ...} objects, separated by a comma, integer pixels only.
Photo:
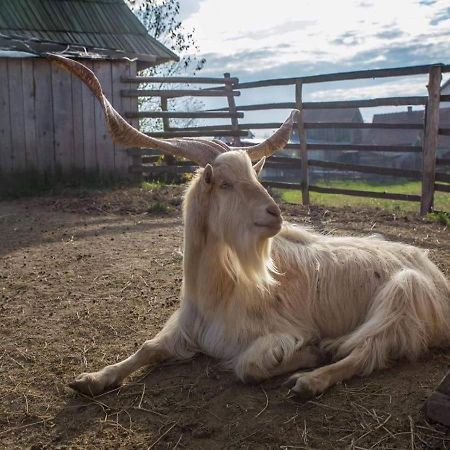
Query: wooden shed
[{"x": 50, "y": 123}]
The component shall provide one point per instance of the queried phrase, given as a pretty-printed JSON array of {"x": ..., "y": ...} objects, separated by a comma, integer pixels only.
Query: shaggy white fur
[{"x": 268, "y": 298}]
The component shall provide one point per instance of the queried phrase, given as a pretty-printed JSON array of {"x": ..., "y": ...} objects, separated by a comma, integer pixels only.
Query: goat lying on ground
[{"x": 268, "y": 298}]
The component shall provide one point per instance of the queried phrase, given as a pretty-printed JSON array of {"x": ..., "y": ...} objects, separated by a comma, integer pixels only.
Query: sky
[{"x": 256, "y": 40}]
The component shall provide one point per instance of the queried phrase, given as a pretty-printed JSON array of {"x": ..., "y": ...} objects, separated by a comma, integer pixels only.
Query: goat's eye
[{"x": 226, "y": 186}]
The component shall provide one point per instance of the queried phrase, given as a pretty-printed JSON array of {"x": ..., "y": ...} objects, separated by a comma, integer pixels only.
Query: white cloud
[
  {"x": 287, "y": 38},
  {"x": 324, "y": 30}
]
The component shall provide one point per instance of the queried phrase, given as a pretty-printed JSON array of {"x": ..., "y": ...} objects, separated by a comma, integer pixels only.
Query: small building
[
  {"x": 334, "y": 135},
  {"x": 402, "y": 137},
  {"x": 397, "y": 136},
  {"x": 445, "y": 90},
  {"x": 50, "y": 123}
]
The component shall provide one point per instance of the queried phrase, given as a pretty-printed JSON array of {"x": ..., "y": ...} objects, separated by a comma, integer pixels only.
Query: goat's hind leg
[
  {"x": 169, "y": 343},
  {"x": 406, "y": 316}
]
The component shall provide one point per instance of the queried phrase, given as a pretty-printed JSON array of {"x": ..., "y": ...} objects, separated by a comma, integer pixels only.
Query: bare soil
[{"x": 85, "y": 279}]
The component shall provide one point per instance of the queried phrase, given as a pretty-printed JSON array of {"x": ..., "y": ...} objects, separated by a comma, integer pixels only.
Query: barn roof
[{"x": 85, "y": 28}]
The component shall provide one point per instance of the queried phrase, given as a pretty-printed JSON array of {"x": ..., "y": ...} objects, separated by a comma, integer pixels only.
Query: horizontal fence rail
[
  {"x": 361, "y": 147},
  {"x": 183, "y": 115},
  {"x": 173, "y": 93},
  {"x": 309, "y": 125},
  {"x": 151, "y": 163},
  {"x": 180, "y": 80},
  {"x": 343, "y": 76},
  {"x": 369, "y": 103}
]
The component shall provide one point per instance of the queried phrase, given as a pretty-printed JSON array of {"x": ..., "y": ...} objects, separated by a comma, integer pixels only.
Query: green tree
[{"x": 161, "y": 18}]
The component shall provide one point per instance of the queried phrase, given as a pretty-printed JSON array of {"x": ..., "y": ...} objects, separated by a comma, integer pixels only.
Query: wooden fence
[{"x": 432, "y": 173}]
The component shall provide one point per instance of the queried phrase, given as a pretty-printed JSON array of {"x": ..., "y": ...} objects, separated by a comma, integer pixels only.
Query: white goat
[{"x": 268, "y": 298}]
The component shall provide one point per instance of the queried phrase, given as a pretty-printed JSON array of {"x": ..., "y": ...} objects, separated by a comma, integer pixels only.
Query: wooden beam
[
  {"x": 174, "y": 134},
  {"x": 445, "y": 177},
  {"x": 441, "y": 187},
  {"x": 442, "y": 162},
  {"x": 355, "y": 193},
  {"x": 368, "y": 103},
  {"x": 361, "y": 147},
  {"x": 370, "y": 126},
  {"x": 172, "y": 93},
  {"x": 371, "y": 194},
  {"x": 283, "y": 185},
  {"x": 430, "y": 140},
  {"x": 311, "y": 125},
  {"x": 193, "y": 80},
  {"x": 232, "y": 107},
  {"x": 168, "y": 159},
  {"x": 261, "y": 107},
  {"x": 152, "y": 169},
  {"x": 182, "y": 115},
  {"x": 303, "y": 145},
  {"x": 340, "y": 76},
  {"x": 6, "y": 148},
  {"x": 414, "y": 174}
]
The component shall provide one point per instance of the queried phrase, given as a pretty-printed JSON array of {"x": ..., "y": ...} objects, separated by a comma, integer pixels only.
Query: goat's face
[{"x": 240, "y": 208}]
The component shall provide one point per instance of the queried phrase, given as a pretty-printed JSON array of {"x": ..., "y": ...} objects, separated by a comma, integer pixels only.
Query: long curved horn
[
  {"x": 276, "y": 142},
  {"x": 199, "y": 150}
]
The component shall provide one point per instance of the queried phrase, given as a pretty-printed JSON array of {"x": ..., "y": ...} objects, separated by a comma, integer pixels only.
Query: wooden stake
[
  {"x": 303, "y": 145},
  {"x": 169, "y": 159},
  {"x": 430, "y": 140},
  {"x": 232, "y": 107}
]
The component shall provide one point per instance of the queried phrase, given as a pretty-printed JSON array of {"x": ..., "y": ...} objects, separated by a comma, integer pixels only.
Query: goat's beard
[{"x": 248, "y": 261}]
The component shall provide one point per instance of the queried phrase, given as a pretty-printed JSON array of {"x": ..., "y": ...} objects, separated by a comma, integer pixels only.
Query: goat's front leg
[
  {"x": 276, "y": 354},
  {"x": 169, "y": 343}
]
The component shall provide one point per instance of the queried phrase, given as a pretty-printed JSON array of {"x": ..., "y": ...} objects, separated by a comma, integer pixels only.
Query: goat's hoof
[
  {"x": 300, "y": 387},
  {"x": 88, "y": 384},
  {"x": 303, "y": 391}
]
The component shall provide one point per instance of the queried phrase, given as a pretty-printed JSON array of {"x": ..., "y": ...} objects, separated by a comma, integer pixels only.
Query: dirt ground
[{"x": 85, "y": 280}]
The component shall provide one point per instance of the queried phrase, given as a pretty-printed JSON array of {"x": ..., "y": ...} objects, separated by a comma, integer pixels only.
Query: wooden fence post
[
  {"x": 136, "y": 168},
  {"x": 169, "y": 159},
  {"x": 232, "y": 107},
  {"x": 430, "y": 140},
  {"x": 303, "y": 145}
]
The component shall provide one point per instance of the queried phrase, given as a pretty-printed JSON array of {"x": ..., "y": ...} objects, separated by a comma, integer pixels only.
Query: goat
[{"x": 270, "y": 298}]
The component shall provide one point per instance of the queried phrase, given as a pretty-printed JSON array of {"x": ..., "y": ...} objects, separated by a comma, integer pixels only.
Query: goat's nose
[{"x": 274, "y": 210}]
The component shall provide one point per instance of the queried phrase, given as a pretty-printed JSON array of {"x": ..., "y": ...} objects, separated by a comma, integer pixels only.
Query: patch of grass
[
  {"x": 151, "y": 185},
  {"x": 158, "y": 208},
  {"x": 441, "y": 202},
  {"x": 441, "y": 217}
]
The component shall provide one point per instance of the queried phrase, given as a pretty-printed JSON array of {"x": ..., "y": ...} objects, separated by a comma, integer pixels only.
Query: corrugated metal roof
[{"x": 92, "y": 24}]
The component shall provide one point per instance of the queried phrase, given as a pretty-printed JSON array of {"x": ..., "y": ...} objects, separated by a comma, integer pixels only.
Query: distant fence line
[
  {"x": 432, "y": 177},
  {"x": 50, "y": 123}
]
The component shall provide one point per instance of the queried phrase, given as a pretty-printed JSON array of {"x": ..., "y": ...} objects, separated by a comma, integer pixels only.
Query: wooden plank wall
[{"x": 51, "y": 124}]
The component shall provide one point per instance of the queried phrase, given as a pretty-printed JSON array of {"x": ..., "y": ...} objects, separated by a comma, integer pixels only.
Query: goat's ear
[
  {"x": 259, "y": 165},
  {"x": 208, "y": 174}
]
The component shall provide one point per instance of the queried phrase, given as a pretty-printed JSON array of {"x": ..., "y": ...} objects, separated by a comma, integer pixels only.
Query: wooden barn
[{"x": 50, "y": 124}]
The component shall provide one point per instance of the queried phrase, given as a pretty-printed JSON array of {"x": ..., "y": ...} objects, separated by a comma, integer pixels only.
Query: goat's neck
[{"x": 206, "y": 282}]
